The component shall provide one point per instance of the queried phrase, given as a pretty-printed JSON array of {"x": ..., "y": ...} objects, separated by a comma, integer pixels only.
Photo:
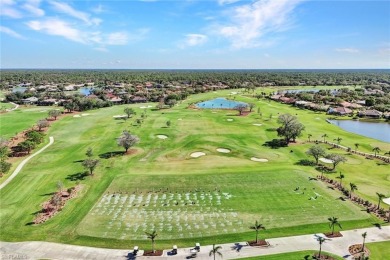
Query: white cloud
[
  {"x": 348, "y": 50},
  {"x": 250, "y": 23},
  {"x": 224, "y": 2},
  {"x": 7, "y": 9},
  {"x": 99, "y": 9},
  {"x": 10, "y": 32},
  {"x": 55, "y": 26},
  {"x": 67, "y": 9},
  {"x": 32, "y": 6},
  {"x": 117, "y": 38},
  {"x": 193, "y": 39}
]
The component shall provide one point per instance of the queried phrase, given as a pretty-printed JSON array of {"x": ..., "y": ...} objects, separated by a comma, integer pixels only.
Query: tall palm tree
[
  {"x": 257, "y": 227},
  {"x": 324, "y": 136},
  {"x": 333, "y": 222},
  {"x": 380, "y": 198},
  {"x": 356, "y": 146},
  {"x": 341, "y": 177},
  {"x": 364, "y": 235},
  {"x": 152, "y": 236},
  {"x": 215, "y": 251},
  {"x": 309, "y": 136},
  {"x": 376, "y": 150},
  {"x": 320, "y": 240},
  {"x": 338, "y": 140},
  {"x": 353, "y": 188}
]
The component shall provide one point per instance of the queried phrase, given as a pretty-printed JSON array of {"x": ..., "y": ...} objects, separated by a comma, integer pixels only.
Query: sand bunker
[
  {"x": 119, "y": 116},
  {"x": 146, "y": 107},
  {"x": 85, "y": 114},
  {"x": 179, "y": 119},
  {"x": 229, "y": 119},
  {"x": 223, "y": 150},
  {"x": 255, "y": 159},
  {"x": 257, "y": 124},
  {"x": 386, "y": 201},
  {"x": 324, "y": 160},
  {"x": 76, "y": 116},
  {"x": 197, "y": 154},
  {"x": 233, "y": 93},
  {"x": 162, "y": 136}
]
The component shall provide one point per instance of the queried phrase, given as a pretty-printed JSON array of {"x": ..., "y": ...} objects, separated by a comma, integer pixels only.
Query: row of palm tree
[{"x": 376, "y": 149}]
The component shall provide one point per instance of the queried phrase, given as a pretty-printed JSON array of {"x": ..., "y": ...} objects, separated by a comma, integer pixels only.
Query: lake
[
  {"x": 220, "y": 103},
  {"x": 85, "y": 91},
  {"x": 375, "y": 130},
  {"x": 19, "y": 89}
]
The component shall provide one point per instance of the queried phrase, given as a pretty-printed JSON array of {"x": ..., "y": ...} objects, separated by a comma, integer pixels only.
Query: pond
[
  {"x": 19, "y": 89},
  {"x": 220, "y": 103},
  {"x": 375, "y": 130},
  {"x": 85, "y": 91}
]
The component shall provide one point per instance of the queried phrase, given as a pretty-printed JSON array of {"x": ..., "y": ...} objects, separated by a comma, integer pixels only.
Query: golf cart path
[
  {"x": 338, "y": 246},
  {"x": 20, "y": 166}
]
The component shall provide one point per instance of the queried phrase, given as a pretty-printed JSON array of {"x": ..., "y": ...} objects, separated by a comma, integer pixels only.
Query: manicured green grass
[
  {"x": 291, "y": 256},
  {"x": 21, "y": 119},
  {"x": 379, "y": 250},
  {"x": 260, "y": 191}
]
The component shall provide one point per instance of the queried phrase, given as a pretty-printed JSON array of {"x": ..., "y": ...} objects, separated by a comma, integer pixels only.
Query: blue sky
[{"x": 195, "y": 34}]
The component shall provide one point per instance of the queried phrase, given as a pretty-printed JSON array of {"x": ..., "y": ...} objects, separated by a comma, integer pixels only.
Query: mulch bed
[
  {"x": 259, "y": 243},
  {"x": 356, "y": 251},
  {"x": 335, "y": 234},
  {"x": 156, "y": 253},
  {"x": 323, "y": 257}
]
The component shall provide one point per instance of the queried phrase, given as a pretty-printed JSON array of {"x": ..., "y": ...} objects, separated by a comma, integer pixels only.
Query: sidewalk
[{"x": 338, "y": 246}]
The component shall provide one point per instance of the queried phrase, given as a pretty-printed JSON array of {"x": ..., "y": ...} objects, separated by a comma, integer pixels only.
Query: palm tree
[
  {"x": 338, "y": 140},
  {"x": 152, "y": 236},
  {"x": 324, "y": 136},
  {"x": 309, "y": 136},
  {"x": 257, "y": 228},
  {"x": 333, "y": 222},
  {"x": 364, "y": 235},
  {"x": 341, "y": 177},
  {"x": 356, "y": 146},
  {"x": 353, "y": 188},
  {"x": 215, "y": 251},
  {"x": 380, "y": 198},
  {"x": 376, "y": 150},
  {"x": 320, "y": 240}
]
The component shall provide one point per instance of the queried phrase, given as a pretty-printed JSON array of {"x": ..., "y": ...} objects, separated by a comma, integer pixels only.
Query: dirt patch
[
  {"x": 155, "y": 253},
  {"x": 259, "y": 243},
  {"x": 335, "y": 234},
  {"x": 356, "y": 251}
]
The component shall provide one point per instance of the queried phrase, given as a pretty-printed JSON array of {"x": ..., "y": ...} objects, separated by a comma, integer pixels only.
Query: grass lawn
[
  {"x": 291, "y": 256},
  {"x": 380, "y": 250},
  {"x": 158, "y": 185},
  {"x": 21, "y": 119}
]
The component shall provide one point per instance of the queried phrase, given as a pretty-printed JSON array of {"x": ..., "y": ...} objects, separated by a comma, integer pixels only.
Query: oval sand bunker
[
  {"x": 255, "y": 159},
  {"x": 257, "y": 124},
  {"x": 229, "y": 119},
  {"x": 197, "y": 154},
  {"x": 324, "y": 160},
  {"x": 162, "y": 136},
  {"x": 223, "y": 150}
]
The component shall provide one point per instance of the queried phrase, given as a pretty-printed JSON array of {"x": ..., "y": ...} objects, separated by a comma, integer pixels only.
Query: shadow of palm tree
[
  {"x": 109, "y": 155},
  {"x": 77, "y": 176}
]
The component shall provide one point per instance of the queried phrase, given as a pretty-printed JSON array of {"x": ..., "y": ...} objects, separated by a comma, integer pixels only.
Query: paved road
[
  {"x": 338, "y": 246},
  {"x": 20, "y": 166}
]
